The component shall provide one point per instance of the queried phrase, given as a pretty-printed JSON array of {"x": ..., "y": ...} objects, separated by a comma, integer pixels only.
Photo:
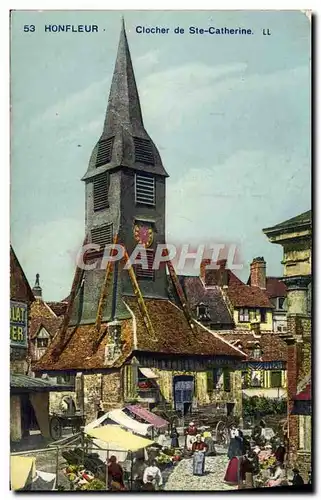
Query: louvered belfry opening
[
  {"x": 144, "y": 189},
  {"x": 144, "y": 151},
  {"x": 146, "y": 273},
  {"x": 100, "y": 183},
  {"x": 102, "y": 235},
  {"x": 105, "y": 147}
]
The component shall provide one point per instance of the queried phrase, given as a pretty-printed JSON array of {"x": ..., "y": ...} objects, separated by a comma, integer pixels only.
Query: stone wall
[
  {"x": 15, "y": 418},
  {"x": 55, "y": 399},
  {"x": 299, "y": 366},
  {"x": 91, "y": 388}
]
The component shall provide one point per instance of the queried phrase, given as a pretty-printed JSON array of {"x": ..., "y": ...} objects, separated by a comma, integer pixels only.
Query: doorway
[{"x": 183, "y": 386}]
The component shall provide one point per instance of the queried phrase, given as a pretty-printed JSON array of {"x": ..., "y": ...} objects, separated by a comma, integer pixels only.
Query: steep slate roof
[
  {"x": 196, "y": 293},
  {"x": 275, "y": 287},
  {"x": 240, "y": 295},
  {"x": 304, "y": 219},
  {"x": 124, "y": 121},
  {"x": 273, "y": 347},
  {"x": 173, "y": 336},
  {"x": 59, "y": 308},
  {"x": 42, "y": 315},
  {"x": 248, "y": 296},
  {"x": 19, "y": 286}
]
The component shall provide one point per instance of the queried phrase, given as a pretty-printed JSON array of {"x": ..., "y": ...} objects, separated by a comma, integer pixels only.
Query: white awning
[
  {"x": 148, "y": 373},
  {"x": 122, "y": 419}
]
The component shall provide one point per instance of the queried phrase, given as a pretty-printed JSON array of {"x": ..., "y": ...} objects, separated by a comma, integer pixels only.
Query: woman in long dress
[
  {"x": 199, "y": 449},
  {"x": 235, "y": 451},
  {"x": 174, "y": 438}
]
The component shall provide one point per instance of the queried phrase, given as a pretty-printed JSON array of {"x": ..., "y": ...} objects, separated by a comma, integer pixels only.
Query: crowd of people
[{"x": 246, "y": 456}]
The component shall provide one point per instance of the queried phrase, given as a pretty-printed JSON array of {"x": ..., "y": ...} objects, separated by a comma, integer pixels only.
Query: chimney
[
  {"x": 258, "y": 272},
  {"x": 37, "y": 290},
  {"x": 255, "y": 327},
  {"x": 204, "y": 263}
]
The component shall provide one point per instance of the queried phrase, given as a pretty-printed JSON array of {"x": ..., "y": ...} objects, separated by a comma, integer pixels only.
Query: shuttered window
[
  {"x": 146, "y": 273},
  {"x": 100, "y": 183},
  {"x": 144, "y": 151},
  {"x": 144, "y": 189},
  {"x": 102, "y": 235},
  {"x": 105, "y": 147}
]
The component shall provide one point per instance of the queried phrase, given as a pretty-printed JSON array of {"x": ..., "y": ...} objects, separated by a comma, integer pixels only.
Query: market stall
[
  {"x": 147, "y": 416},
  {"x": 113, "y": 440},
  {"x": 22, "y": 472},
  {"x": 121, "y": 418}
]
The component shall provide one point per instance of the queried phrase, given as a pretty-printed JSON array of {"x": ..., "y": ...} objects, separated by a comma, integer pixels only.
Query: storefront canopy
[
  {"x": 119, "y": 417},
  {"x": 148, "y": 373},
  {"x": 115, "y": 437},
  {"x": 22, "y": 471},
  {"x": 147, "y": 415}
]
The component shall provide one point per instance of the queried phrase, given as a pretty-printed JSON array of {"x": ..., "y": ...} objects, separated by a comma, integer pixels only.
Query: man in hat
[{"x": 297, "y": 479}]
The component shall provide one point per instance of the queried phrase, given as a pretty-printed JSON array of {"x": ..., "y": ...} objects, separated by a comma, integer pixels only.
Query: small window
[
  {"x": 202, "y": 312},
  {"x": 144, "y": 190},
  {"x": 280, "y": 303},
  {"x": 245, "y": 382},
  {"x": 257, "y": 352},
  {"x": 100, "y": 183},
  {"x": 218, "y": 378},
  {"x": 42, "y": 343},
  {"x": 144, "y": 151},
  {"x": 226, "y": 380},
  {"x": 276, "y": 378},
  {"x": 256, "y": 379},
  {"x": 146, "y": 273},
  {"x": 105, "y": 147},
  {"x": 244, "y": 315},
  {"x": 263, "y": 316}
]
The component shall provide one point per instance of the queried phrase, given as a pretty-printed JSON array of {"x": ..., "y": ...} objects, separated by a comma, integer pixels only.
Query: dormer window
[
  {"x": 257, "y": 351},
  {"x": 42, "y": 343},
  {"x": 202, "y": 312}
]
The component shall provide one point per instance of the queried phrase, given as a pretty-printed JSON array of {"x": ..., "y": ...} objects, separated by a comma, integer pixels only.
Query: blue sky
[{"x": 229, "y": 114}]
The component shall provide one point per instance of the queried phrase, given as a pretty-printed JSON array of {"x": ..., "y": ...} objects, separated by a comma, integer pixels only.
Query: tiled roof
[
  {"x": 221, "y": 277},
  {"x": 196, "y": 293},
  {"x": 42, "y": 315},
  {"x": 275, "y": 288},
  {"x": 59, "y": 308},
  {"x": 79, "y": 353},
  {"x": 299, "y": 220},
  {"x": 273, "y": 347},
  {"x": 173, "y": 336},
  {"x": 248, "y": 296},
  {"x": 18, "y": 381},
  {"x": 20, "y": 289}
]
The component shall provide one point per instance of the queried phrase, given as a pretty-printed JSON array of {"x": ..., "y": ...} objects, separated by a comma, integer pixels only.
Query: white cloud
[{"x": 171, "y": 96}]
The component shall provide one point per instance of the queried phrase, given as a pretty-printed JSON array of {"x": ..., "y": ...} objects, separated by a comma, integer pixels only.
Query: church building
[{"x": 122, "y": 336}]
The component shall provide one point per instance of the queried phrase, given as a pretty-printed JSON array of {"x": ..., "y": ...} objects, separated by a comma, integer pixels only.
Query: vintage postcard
[{"x": 161, "y": 233}]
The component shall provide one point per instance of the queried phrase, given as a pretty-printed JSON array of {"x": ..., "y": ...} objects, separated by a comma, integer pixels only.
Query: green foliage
[
  {"x": 261, "y": 406},
  {"x": 95, "y": 484}
]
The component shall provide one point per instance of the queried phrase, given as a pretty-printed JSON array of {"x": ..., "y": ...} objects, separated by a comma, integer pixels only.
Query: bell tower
[{"x": 125, "y": 194}]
